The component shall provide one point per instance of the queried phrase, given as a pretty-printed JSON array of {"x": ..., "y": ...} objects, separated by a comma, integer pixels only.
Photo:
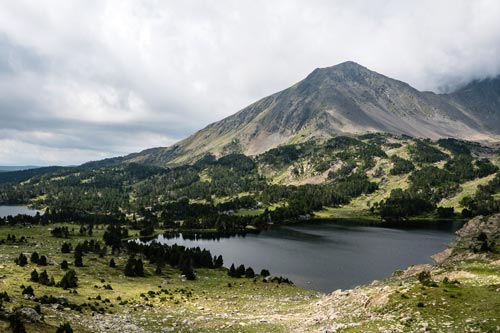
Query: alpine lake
[{"x": 326, "y": 255}]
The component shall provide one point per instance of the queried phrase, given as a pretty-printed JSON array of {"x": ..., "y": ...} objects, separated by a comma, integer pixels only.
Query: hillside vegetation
[{"x": 375, "y": 176}]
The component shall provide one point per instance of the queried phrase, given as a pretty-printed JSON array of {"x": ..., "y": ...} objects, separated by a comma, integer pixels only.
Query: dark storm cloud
[{"x": 83, "y": 80}]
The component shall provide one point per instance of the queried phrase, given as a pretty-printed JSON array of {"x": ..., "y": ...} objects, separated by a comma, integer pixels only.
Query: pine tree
[
  {"x": 66, "y": 248},
  {"x": 264, "y": 273},
  {"x": 42, "y": 261},
  {"x": 35, "y": 257},
  {"x": 139, "y": 268},
  {"x": 249, "y": 273},
  {"x": 16, "y": 324},
  {"x": 218, "y": 263},
  {"x": 21, "y": 260},
  {"x": 232, "y": 271},
  {"x": 240, "y": 271},
  {"x": 34, "y": 276},
  {"x": 186, "y": 267},
  {"x": 78, "y": 257},
  {"x": 69, "y": 280},
  {"x": 130, "y": 267},
  {"x": 28, "y": 291},
  {"x": 112, "y": 263},
  {"x": 64, "y": 264},
  {"x": 43, "y": 278},
  {"x": 52, "y": 282}
]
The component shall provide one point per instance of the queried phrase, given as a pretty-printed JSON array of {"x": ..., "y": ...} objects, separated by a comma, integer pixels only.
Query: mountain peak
[
  {"x": 345, "y": 71},
  {"x": 344, "y": 99},
  {"x": 343, "y": 66},
  {"x": 348, "y": 65}
]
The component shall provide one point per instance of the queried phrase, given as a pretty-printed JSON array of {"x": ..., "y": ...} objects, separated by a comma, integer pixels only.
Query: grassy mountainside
[
  {"x": 346, "y": 99},
  {"x": 367, "y": 176}
]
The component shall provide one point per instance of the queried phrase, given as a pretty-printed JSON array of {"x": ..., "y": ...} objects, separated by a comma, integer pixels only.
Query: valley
[{"x": 346, "y": 175}]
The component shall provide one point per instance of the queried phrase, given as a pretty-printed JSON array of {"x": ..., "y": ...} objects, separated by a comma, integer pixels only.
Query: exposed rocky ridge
[
  {"x": 482, "y": 98},
  {"x": 343, "y": 99}
]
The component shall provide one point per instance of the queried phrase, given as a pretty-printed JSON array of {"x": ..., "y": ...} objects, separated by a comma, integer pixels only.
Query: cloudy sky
[{"x": 85, "y": 80}]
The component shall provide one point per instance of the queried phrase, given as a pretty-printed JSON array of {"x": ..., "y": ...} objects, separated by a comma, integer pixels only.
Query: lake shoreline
[{"x": 324, "y": 241}]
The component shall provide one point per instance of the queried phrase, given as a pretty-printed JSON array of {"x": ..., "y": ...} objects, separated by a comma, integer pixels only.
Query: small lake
[
  {"x": 328, "y": 256},
  {"x": 15, "y": 210}
]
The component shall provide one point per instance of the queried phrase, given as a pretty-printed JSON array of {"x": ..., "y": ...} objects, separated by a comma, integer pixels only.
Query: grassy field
[
  {"x": 217, "y": 303},
  {"x": 153, "y": 302}
]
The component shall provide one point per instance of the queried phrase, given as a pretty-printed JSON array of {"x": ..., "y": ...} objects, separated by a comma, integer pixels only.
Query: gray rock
[
  {"x": 57, "y": 307},
  {"x": 61, "y": 300},
  {"x": 28, "y": 315}
]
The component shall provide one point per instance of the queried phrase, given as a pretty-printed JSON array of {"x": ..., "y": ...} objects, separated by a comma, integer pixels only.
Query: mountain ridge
[{"x": 345, "y": 99}]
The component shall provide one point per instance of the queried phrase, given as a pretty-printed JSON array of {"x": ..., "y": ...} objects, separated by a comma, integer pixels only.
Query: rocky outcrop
[
  {"x": 479, "y": 238},
  {"x": 479, "y": 235}
]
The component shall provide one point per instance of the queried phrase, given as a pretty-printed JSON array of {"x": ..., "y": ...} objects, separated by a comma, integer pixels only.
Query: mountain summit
[{"x": 343, "y": 99}]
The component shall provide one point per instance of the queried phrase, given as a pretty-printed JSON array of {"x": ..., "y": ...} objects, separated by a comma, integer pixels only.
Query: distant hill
[
  {"x": 4, "y": 168},
  {"x": 22, "y": 175}
]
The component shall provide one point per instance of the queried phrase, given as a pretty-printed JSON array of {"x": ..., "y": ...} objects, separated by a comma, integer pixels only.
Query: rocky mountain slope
[{"x": 344, "y": 99}]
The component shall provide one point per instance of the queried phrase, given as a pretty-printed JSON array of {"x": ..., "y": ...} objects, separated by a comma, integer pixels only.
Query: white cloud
[{"x": 138, "y": 73}]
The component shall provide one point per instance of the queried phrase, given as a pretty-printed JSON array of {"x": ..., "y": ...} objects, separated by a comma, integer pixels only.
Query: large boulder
[{"x": 28, "y": 315}]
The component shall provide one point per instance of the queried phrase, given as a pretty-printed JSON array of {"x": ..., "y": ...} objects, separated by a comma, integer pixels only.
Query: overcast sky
[{"x": 85, "y": 80}]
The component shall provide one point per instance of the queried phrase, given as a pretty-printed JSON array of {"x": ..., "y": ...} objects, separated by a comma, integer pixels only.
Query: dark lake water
[
  {"x": 15, "y": 210},
  {"x": 327, "y": 256}
]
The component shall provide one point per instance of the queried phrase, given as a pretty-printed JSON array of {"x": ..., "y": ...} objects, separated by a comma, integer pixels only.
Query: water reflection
[{"x": 325, "y": 256}]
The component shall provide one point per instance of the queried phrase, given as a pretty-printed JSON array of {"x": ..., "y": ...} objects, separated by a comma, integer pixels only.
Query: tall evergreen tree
[
  {"x": 34, "y": 276},
  {"x": 218, "y": 262},
  {"x": 78, "y": 256},
  {"x": 139, "y": 268},
  {"x": 66, "y": 248},
  {"x": 249, "y": 273},
  {"x": 22, "y": 260},
  {"x": 43, "y": 278},
  {"x": 42, "y": 261},
  {"x": 232, "y": 271},
  {"x": 69, "y": 280},
  {"x": 130, "y": 267},
  {"x": 35, "y": 257},
  {"x": 186, "y": 267},
  {"x": 240, "y": 271}
]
